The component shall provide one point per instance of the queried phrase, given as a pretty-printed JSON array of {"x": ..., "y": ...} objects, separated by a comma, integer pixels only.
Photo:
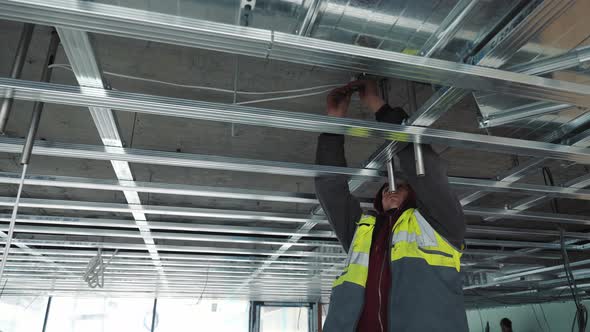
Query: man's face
[{"x": 395, "y": 199}]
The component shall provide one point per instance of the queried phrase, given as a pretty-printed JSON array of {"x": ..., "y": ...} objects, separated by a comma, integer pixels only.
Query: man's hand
[
  {"x": 338, "y": 101},
  {"x": 369, "y": 94}
]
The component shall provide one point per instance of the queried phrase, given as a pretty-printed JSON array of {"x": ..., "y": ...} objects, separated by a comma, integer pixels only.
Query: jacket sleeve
[
  {"x": 342, "y": 209},
  {"x": 434, "y": 197}
]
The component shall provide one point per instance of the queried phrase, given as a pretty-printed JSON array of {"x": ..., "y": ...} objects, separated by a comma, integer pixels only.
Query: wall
[{"x": 526, "y": 318}]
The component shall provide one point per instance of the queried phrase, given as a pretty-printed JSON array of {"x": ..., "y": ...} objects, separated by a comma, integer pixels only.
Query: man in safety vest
[{"x": 403, "y": 267}]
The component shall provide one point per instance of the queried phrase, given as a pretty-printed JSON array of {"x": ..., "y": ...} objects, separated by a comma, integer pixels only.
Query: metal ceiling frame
[
  {"x": 88, "y": 16},
  {"x": 521, "y": 28},
  {"x": 186, "y": 108},
  {"x": 250, "y": 216},
  {"x": 566, "y": 191},
  {"x": 132, "y": 23},
  {"x": 80, "y": 54},
  {"x": 542, "y": 66}
]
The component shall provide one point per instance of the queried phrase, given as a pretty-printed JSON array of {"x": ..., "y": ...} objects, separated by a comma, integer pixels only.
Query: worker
[
  {"x": 402, "y": 271},
  {"x": 506, "y": 325}
]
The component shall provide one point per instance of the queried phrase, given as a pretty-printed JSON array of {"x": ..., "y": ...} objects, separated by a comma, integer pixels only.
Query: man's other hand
[
  {"x": 338, "y": 101},
  {"x": 369, "y": 94}
]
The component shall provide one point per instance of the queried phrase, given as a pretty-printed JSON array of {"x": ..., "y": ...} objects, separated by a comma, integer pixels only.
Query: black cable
[
  {"x": 480, "y": 319},
  {"x": 204, "y": 287},
  {"x": 548, "y": 178},
  {"x": 545, "y": 317},
  {"x": 2, "y": 291},
  {"x": 581, "y": 316},
  {"x": 537, "y": 317}
]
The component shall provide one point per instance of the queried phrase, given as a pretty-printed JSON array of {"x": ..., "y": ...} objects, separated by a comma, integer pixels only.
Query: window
[
  {"x": 99, "y": 315},
  {"x": 208, "y": 315},
  {"x": 284, "y": 319},
  {"x": 22, "y": 313}
]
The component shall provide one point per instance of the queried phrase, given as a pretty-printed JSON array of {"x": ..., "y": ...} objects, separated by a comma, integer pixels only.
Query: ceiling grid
[{"x": 179, "y": 237}]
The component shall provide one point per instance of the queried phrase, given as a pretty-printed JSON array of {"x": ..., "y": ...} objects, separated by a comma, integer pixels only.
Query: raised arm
[
  {"x": 434, "y": 196},
  {"x": 342, "y": 209}
]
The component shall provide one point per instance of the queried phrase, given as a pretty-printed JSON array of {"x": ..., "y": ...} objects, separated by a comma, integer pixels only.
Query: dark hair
[
  {"x": 378, "y": 203},
  {"x": 506, "y": 323}
]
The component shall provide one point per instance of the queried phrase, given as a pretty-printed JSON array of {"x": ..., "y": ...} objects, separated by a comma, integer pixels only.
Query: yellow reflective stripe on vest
[
  {"x": 357, "y": 262},
  {"x": 413, "y": 237},
  {"x": 357, "y": 274}
]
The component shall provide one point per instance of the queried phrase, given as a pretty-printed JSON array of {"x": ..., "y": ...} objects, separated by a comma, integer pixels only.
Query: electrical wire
[
  {"x": 548, "y": 178},
  {"x": 94, "y": 275},
  {"x": 545, "y": 317},
  {"x": 2, "y": 291},
  {"x": 480, "y": 319},
  {"x": 581, "y": 316},
  {"x": 537, "y": 318},
  {"x": 200, "y": 87},
  {"x": 283, "y": 97},
  {"x": 204, "y": 287}
]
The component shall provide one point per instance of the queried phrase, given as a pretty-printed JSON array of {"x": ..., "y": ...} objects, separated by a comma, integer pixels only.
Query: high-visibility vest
[{"x": 426, "y": 286}]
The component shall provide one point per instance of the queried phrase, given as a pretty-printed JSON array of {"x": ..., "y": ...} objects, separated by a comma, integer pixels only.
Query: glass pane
[
  {"x": 22, "y": 313},
  {"x": 209, "y": 315},
  {"x": 284, "y": 319},
  {"x": 100, "y": 315}
]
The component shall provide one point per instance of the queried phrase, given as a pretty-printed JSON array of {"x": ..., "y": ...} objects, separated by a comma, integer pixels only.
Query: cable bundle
[{"x": 94, "y": 275}]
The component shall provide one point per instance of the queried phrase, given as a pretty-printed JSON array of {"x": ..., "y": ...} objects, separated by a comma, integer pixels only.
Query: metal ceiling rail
[
  {"x": 520, "y": 112},
  {"x": 185, "y": 288},
  {"x": 198, "y": 276},
  {"x": 132, "y": 23},
  {"x": 166, "y": 264},
  {"x": 519, "y": 172},
  {"x": 122, "y": 263},
  {"x": 571, "y": 59},
  {"x": 52, "y": 241},
  {"x": 243, "y": 239},
  {"x": 529, "y": 202},
  {"x": 525, "y": 232},
  {"x": 93, "y": 152},
  {"x": 542, "y": 66},
  {"x": 517, "y": 276},
  {"x": 523, "y": 188},
  {"x": 569, "y": 219},
  {"x": 216, "y": 281},
  {"x": 162, "y": 293},
  {"x": 448, "y": 28},
  {"x": 254, "y": 215},
  {"x": 296, "y": 262},
  {"x": 249, "y": 216},
  {"x": 95, "y": 97},
  {"x": 516, "y": 253},
  {"x": 176, "y": 188},
  {"x": 135, "y": 282},
  {"x": 266, "y": 195},
  {"x": 80, "y": 54},
  {"x": 257, "y": 230},
  {"x": 152, "y": 287},
  {"x": 82, "y": 224},
  {"x": 237, "y": 215},
  {"x": 518, "y": 244},
  {"x": 164, "y": 236},
  {"x": 172, "y": 257},
  {"x": 191, "y": 274},
  {"x": 165, "y": 225},
  {"x": 155, "y": 287}
]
